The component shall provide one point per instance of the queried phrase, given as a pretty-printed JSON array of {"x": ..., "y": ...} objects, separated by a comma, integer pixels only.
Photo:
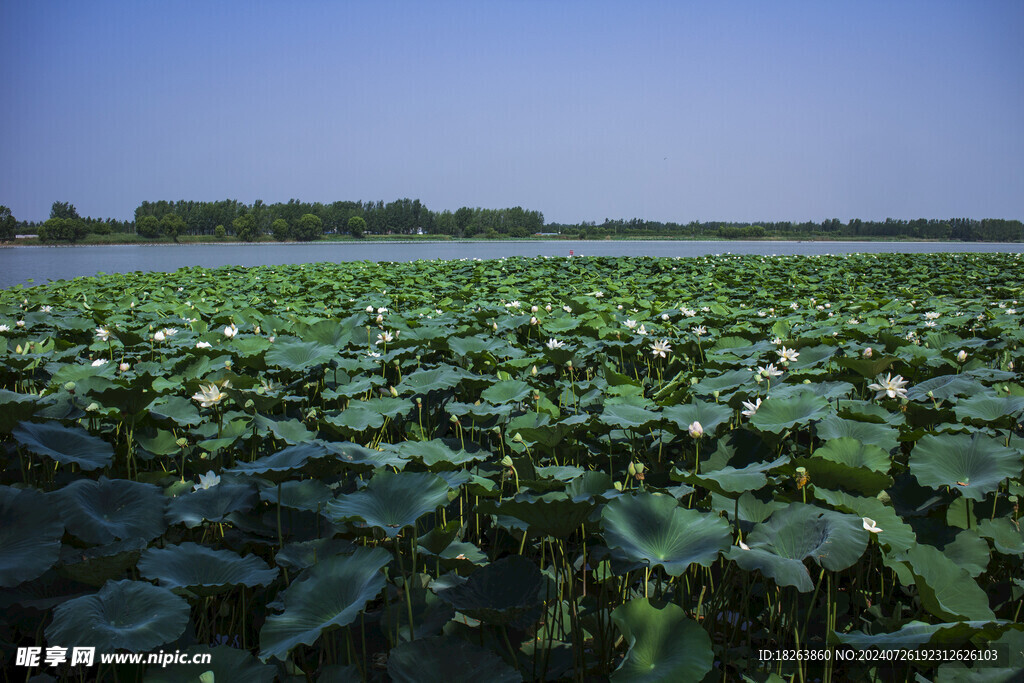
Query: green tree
[
  {"x": 148, "y": 227},
  {"x": 309, "y": 227},
  {"x": 62, "y": 230},
  {"x": 64, "y": 210},
  {"x": 220, "y": 232},
  {"x": 463, "y": 217},
  {"x": 172, "y": 225},
  {"x": 246, "y": 228},
  {"x": 280, "y": 229},
  {"x": 7, "y": 224},
  {"x": 357, "y": 226}
]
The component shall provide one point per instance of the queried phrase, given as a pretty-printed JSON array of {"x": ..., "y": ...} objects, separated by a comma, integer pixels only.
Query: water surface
[{"x": 38, "y": 265}]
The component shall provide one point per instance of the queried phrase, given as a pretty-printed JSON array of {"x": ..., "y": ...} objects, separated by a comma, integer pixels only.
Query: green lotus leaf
[
  {"x": 552, "y": 514},
  {"x": 304, "y": 494},
  {"x": 722, "y": 383},
  {"x": 181, "y": 411},
  {"x": 438, "y": 455},
  {"x": 307, "y": 553},
  {"x": 664, "y": 645},
  {"x": 358, "y": 386},
  {"x": 829, "y": 391},
  {"x": 358, "y": 416},
  {"x": 852, "y": 453},
  {"x": 868, "y": 433},
  {"x": 1005, "y": 536},
  {"x": 972, "y": 464},
  {"x": 292, "y": 431},
  {"x": 709, "y": 415},
  {"x": 985, "y": 409},
  {"x": 354, "y": 454},
  {"x": 391, "y": 501},
  {"x": 210, "y": 505},
  {"x": 446, "y": 658},
  {"x": 111, "y": 509},
  {"x": 627, "y": 416},
  {"x": 945, "y": 388},
  {"x": 747, "y": 507},
  {"x": 811, "y": 356},
  {"x": 730, "y": 479},
  {"x": 124, "y": 615},
  {"x": 969, "y": 551},
  {"x": 202, "y": 569},
  {"x": 429, "y": 612},
  {"x": 827, "y": 474},
  {"x": 506, "y": 391},
  {"x": 508, "y": 591},
  {"x": 652, "y": 528},
  {"x": 869, "y": 368},
  {"x": 896, "y": 534},
  {"x": 474, "y": 346},
  {"x": 330, "y": 594},
  {"x": 15, "y": 408},
  {"x": 64, "y": 444},
  {"x": 227, "y": 665},
  {"x": 915, "y": 634},
  {"x": 298, "y": 356},
  {"x": 779, "y": 414},
  {"x": 832, "y": 539},
  {"x": 332, "y": 333},
  {"x": 946, "y": 590},
  {"x": 96, "y": 565},
  {"x": 435, "y": 379},
  {"x": 290, "y": 459},
  {"x": 30, "y": 534}
]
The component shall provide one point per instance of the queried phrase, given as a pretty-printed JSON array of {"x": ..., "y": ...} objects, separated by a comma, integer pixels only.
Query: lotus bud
[
  {"x": 569, "y": 365},
  {"x": 124, "y": 367},
  {"x": 533, "y": 371},
  {"x": 17, "y": 349},
  {"x": 618, "y": 486},
  {"x": 930, "y": 394},
  {"x": 69, "y": 387},
  {"x": 494, "y": 326},
  {"x": 506, "y": 461},
  {"x": 227, "y": 365},
  {"x": 631, "y": 470},
  {"x": 419, "y": 401},
  {"x": 453, "y": 419},
  {"x": 393, "y": 391},
  {"x": 961, "y": 356},
  {"x": 716, "y": 393},
  {"x": 696, "y": 429},
  {"x": 518, "y": 438}
]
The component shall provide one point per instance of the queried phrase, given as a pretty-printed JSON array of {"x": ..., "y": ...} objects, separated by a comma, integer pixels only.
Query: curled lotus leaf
[
  {"x": 200, "y": 568},
  {"x": 30, "y": 534},
  {"x": 391, "y": 501}
]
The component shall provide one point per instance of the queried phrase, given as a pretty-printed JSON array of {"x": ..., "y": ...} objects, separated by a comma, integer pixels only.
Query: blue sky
[{"x": 583, "y": 110}]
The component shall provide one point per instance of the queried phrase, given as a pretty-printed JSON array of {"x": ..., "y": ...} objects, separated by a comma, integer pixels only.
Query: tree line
[{"x": 306, "y": 221}]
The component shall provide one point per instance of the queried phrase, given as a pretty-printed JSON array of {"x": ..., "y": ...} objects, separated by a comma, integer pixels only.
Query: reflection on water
[{"x": 20, "y": 264}]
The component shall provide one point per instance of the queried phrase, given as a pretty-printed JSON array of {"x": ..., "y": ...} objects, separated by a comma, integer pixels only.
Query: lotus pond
[{"x": 525, "y": 469}]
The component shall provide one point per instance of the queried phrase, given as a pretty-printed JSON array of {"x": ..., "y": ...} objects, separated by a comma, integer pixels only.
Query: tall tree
[
  {"x": 309, "y": 227},
  {"x": 64, "y": 210},
  {"x": 246, "y": 228},
  {"x": 7, "y": 225}
]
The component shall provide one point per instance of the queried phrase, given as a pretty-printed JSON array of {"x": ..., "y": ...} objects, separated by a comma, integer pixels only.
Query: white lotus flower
[
  {"x": 204, "y": 345},
  {"x": 533, "y": 320},
  {"x": 46, "y": 309},
  {"x": 513, "y": 304},
  {"x": 159, "y": 336},
  {"x": 5, "y": 328},
  {"x": 868, "y": 352},
  {"x": 209, "y": 395},
  {"x": 931, "y": 315},
  {"x": 103, "y": 334},
  {"x": 567, "y": 309},
  {"x": 630, "y": 324},
  {"x": 661, "y": 348},
  {"x": 696, "y": 430},
  {"x": 751, "y": 408},
  {"x": 206, "y": 481},
  {"x": 664, "y": 316},
  {"x": 700, "y": 330},
  {"x": 893, "y": 387},
  {"x": 98, "y": 362},
  {"x": 787, "y": 355},
  {"x": 554, "y": 344},
  {"x": 124, "y": 367},
  {"x": 642, "y": 330},
  {"x": 384, "y": 337},
  {"x": 20, "y": 323},
  {"x": 230, "y": 330},
  {"x": 170, "y": 331},
  {"x": 369, "y": 309},
  {"x": 768, "y": 371},
  {"x": 961, "y": 356},
  {"x": 869, "y": 525},
  {"x": 744, "y": 546}
]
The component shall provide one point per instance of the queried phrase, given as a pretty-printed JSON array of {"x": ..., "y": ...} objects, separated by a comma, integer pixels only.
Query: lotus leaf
[
  {"x": 64, "y": 444},
  {"x": 973, "y": 464},
  {"x": 664, "y": 645},
  {"x": 446, "y": 658},
  {"x": 508, "y": 591},
  {"x": 391, "y": 501},
  {"x": 203, "y": 570},
  {"x": 30, "y": 534},
  {"x": 110, "y": 509}
]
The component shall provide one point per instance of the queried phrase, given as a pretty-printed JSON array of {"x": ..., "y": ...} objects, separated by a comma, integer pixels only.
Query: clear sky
[{"x": 678, "y": 111}]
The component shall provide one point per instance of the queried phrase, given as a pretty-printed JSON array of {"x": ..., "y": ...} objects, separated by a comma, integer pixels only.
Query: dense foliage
[{"x": 649, "y": 469}]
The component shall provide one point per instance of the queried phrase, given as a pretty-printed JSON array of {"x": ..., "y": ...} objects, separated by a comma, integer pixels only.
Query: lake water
[{"x": 38, "y": 265}]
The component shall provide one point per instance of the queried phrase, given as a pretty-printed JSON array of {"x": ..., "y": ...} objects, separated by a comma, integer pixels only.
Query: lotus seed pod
[
  {"x": 506, "y": 461},
  {"x": 92, "y": 407},
  {"x": 69, "y": 386},
  {"x": 207, "y": 676},
  {"x": 716, "y": 393},
  {"x": 453, "y": 419},
  {"x": 518, "y": 438},
  {"x": 182, "y": 442},
  {"x": 618, "y": 485},
  {"x": 394, "y": 392},
  {"x": 640, "y": 467}
]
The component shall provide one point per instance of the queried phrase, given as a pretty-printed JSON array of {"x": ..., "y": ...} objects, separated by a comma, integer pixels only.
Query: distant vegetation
[{"x": 304, "y": 221}]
